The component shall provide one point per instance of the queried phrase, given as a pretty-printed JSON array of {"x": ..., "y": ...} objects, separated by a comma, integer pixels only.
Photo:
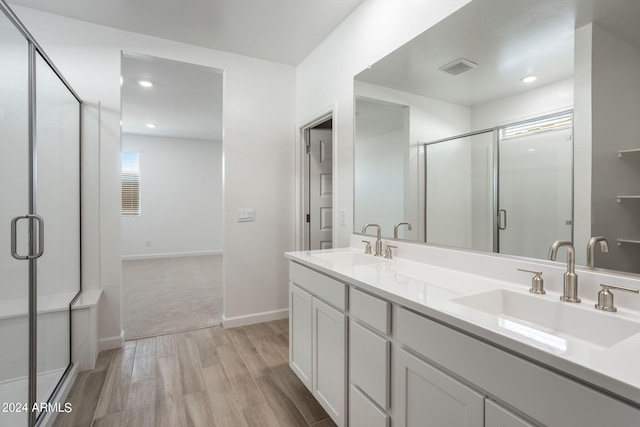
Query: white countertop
[{"x": 429, "y": 290}]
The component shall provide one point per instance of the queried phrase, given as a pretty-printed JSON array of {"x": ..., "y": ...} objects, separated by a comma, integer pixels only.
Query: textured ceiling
[
  {"x": 184, "y": 102},
  {"x": 508, "y": 39},
  {"x": 277, "y": 30}
]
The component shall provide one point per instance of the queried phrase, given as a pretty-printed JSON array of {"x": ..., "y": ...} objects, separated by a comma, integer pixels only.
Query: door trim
[{"x": 301, "y": 230}]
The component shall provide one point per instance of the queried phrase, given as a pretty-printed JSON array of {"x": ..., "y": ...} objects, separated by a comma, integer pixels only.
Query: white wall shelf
[
  {"x": 621, "y": 153},
  {"x": 621, "y": 198},
  {"x": 631, "y": 241}
]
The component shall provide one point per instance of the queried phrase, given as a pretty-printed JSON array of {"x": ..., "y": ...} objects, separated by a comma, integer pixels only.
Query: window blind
[
  {"x": 544, "y": 124},
  {"x": 130, "y": 183}
]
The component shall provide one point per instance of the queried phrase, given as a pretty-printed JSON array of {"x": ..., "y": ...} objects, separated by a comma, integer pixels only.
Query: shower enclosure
[
  {"x": 507, "y": 189},
  {"x": 39, "y": 224}
]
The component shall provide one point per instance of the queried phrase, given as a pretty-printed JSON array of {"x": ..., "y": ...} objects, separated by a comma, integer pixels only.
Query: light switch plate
[{"x": 246, "y": 214}]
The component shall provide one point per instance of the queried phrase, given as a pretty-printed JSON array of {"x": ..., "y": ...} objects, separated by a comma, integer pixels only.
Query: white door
[
  {"x": 426, "y": 397},
  {"x": 320, "y": 189}
]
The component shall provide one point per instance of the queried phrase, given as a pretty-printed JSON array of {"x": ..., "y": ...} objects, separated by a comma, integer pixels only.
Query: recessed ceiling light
[
  {"x": 529, "y": 79},
  {"x": 150, "y": 125},
  {"x": 145, "y": 83}
]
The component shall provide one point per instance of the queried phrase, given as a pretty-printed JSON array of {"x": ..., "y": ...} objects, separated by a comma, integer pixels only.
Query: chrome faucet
[
  {"x": 591, "y": 249},
  {"x": 395, "y": 228},
  {"x": 570, "y": 277},
  {"x": 378, "y": 237}
]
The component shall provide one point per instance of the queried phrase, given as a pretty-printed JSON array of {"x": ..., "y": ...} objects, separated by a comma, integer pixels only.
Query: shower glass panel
[
  {"x": 14, "y": 188},
  {"x": 535, "y": 189},
  {"x": 459, "y": 184},
  {"x": 58, "y": 202}
]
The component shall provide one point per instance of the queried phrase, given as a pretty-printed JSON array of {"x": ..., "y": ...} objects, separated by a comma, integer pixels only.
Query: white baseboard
[
  {"x": 49, "y": 418},
  {"x": 170, "y": 255},
  {"x": 111, "y": 342},
  {"x": 250, "y": 319}
]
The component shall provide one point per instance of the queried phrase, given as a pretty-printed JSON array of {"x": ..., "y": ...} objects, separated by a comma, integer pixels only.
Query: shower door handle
[
  {"x": 502, "y": 219},
  {"x": 14, "y": 236}
]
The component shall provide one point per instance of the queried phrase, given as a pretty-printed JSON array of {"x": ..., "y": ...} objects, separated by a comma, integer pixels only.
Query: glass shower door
[
  {"x": 459, "y": 183},
  {"x": 535, "y": 189},
  {"x": 58, "y": 203},
  {"x": 14, "y": 191}
]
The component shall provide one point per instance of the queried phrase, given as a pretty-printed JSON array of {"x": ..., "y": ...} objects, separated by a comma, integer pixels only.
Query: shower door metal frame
[
  {"x": 496, "y": 169},
  {"x": 33, "y": 50},
  {"x": 494, "y": 174}
]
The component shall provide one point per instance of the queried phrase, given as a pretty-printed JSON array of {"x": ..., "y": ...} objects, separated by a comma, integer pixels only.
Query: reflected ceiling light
[
  {"x": 528, "y": 79},
  {"x": 145, "y": 83},
  {"x": 150, "y": 125}
]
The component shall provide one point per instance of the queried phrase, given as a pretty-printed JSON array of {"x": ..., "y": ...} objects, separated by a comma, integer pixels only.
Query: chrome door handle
[
  {"x": 14, "y": 237},
  {"x": 502, "y": 219}
]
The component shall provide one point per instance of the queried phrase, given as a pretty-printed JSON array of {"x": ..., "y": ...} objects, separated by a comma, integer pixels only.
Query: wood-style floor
[{"x": 200, "y": 378}]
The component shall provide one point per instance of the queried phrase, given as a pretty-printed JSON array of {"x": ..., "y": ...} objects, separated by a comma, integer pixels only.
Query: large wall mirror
[{"x": 505, "y": 127}]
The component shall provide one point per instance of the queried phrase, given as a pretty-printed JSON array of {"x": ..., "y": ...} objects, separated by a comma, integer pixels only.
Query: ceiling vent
[{"x": 458, "y": 66}]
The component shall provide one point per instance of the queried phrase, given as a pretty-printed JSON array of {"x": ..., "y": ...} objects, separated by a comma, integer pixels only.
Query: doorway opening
[
  {"x": 318, "y": 184},
  {"x": 171, "y": 173}
]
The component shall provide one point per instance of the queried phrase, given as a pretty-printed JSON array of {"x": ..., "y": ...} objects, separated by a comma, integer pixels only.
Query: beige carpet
[{"x": 163, "y": 296}]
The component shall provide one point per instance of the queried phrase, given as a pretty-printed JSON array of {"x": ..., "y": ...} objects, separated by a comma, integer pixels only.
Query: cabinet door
[
  {"x": 369, "y": 363},
  {"x": 497, "y": 416},
  {"x": 329, "y": 359},
  {"x": 363, "y": 412},
  {"x": 426, "y": 397},
  {"x": 300, "y": 334}
]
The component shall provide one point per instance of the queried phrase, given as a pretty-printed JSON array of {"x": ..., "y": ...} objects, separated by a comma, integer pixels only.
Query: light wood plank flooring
[{"x": 200, "y": 378}]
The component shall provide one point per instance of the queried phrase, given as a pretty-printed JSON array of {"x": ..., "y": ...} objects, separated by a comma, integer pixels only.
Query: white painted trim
[
  {"x": 111, "y": 342},
  {"x": 170, "y": 255},
  {"x": 250, "y": 319},
  {"x": 61, "y": 397}
]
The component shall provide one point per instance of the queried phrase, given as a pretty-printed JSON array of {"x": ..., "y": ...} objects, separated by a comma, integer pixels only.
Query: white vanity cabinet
[
  {"x": 425, "y": 396},
  {"x": 546, "y": 397},
  {"x": 497, "y": 416},
  {"x": 300, "y": 333},
  {"x": 369, "y": 360},
  {"x": 373, "y": 362},
  {"x": 318, "y": 337}
]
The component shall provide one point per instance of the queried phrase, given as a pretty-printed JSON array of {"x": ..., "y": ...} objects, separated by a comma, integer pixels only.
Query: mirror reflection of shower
[{"x": 506, "y": 189}]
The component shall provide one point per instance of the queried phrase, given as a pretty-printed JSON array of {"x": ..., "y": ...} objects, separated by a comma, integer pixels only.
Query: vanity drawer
[
  {"x": 549, "y": 398},
  {"x": 371, "y": 310},
  {"x": 370, "y": 363},
  {"x": 363, "y": 412},
  {"x": 324, "y": 287}
]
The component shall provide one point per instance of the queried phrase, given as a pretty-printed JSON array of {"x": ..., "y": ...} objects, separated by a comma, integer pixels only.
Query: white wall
[
  {"x": 616, "y": 108},
  {"x": 259, "y": 124},
  {"x": 382, "y": 143},
  {"x": 534, "y": 102},
  {"x": 325, "y": 77},
  {"x": 181, "y": 198},
  {"x": 429, "y": 119}
]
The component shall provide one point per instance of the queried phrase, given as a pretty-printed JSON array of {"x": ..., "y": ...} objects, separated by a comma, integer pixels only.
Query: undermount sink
[
  {"x": 543, "y": 319},
  {"x": 348, "y": 258}
]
